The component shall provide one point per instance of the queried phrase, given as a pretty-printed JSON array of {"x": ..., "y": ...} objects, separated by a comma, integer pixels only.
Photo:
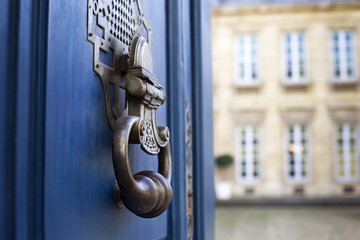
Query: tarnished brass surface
[
  {"x": 125, "y": 31},
  {"x": 118, "y": 22},
  {"x": 147, "y": 193}
]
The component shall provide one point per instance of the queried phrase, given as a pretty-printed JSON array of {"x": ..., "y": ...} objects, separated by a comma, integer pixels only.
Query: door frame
[
  {"x": 203, "y": 120},
  {"x": 202, "y": 125},
  {"x": 24, "y": 61}
]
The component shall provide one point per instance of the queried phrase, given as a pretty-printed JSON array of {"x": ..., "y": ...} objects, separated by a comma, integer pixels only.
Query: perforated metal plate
[
  {"x": 121, "y": 19},
  {"x": 112, "y": 26}
]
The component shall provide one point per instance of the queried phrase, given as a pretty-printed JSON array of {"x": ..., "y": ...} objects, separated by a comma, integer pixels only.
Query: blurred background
[{"x": 286, "y": 119}]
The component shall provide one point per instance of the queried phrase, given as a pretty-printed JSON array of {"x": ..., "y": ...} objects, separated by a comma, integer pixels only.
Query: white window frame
[
  {"x": 249, "y": 161},
  {"x": 297, "y": 80},
  {"x": 346, "y": 179},
  {"x": 343, "y": 79},
  {"x": 247, "y": 81},
  {"x": 297, "y": 180}
]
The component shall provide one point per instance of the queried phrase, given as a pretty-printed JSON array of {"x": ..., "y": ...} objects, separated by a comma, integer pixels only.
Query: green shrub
[{"x": 224, "y": 160}]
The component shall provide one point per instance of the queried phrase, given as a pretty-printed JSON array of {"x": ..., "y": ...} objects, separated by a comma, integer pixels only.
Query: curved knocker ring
[{"x": 147, "y": 193}]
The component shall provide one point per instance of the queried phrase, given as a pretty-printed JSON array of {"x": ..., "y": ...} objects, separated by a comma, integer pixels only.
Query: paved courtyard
[{"x": 287, "y": 223}]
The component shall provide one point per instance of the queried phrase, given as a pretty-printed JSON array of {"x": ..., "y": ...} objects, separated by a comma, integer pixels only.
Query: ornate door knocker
[{"x": 126, "y": 32}]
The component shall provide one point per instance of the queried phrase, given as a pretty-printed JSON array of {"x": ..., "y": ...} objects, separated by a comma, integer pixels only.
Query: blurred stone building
[{"x": 287, "y": 98}]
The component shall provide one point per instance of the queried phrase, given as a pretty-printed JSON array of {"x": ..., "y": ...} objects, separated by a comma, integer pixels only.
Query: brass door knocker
[{"x": 147, "y": 193}]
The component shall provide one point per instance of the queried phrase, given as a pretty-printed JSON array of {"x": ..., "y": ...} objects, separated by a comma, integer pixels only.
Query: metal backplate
[{"x": 112, "y": 26}]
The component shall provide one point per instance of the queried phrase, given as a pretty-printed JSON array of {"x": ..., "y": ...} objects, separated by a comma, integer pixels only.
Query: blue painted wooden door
[
  {"x": 79, "y": 178},
  {"x": 56, "y": 172}
]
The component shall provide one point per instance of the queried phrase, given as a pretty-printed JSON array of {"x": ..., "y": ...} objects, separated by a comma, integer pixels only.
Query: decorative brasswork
[
  {"x": 119, "y": 27},
  {"x": 147, "y": 137},
  {"x": 112, "y": 27}
]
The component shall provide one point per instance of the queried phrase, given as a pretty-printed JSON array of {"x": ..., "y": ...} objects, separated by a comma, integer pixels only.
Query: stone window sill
[
  {"x": 256, "y": 84},
  {"x": 344, "y": 82},
  {"x": 287, "y": 83}
]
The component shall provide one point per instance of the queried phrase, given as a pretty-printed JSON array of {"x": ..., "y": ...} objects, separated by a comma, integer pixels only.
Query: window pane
[
  {"x": 298, "y": 153},
  {"x": 295, "y": 57},
  {"x": 247, "y": 59},
  {"x": 247, "y": 154},
  {"x": 343, "y": 55},
  {"x": 347, "y": 160}
]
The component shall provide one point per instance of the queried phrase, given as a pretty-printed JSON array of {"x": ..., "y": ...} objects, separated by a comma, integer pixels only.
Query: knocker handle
[{"x": 147, "y": 193}]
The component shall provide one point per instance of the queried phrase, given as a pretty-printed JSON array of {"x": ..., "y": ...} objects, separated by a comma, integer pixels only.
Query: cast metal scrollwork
[{"x": 125, "y": 31}]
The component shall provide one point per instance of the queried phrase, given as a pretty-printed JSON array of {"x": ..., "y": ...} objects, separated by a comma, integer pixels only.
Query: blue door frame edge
[
  {"x": 37, "y": 116},
  {"x": 8, "y": 96},
  {"x": 23, "y": 81},
  {"x": 202, "y": 120},
  {"x": 202, "y": 117},
  {"x": 177, "y": 229}
]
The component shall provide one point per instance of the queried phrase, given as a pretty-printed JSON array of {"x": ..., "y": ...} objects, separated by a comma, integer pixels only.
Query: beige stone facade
[{"x": 273, "y": 105}]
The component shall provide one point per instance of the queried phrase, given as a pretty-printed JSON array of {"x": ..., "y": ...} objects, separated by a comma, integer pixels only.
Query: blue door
[{"x": 56, "y": 176}]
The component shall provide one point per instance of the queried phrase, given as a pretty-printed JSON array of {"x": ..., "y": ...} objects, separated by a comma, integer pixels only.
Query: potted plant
[
  {"x": 222, "y": 186},
  {"x": 223, "y": 161}
]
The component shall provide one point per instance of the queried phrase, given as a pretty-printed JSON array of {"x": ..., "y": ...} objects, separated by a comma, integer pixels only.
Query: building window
[
  {"x": 347, "y": 161},
  {"x": 298, "y": 164},
  {"x": 246, "y": 60},
  {"x": 343, "y": 56},
  {"x": 295, "y": 58},
  {"x": 247, "y": 153}
]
